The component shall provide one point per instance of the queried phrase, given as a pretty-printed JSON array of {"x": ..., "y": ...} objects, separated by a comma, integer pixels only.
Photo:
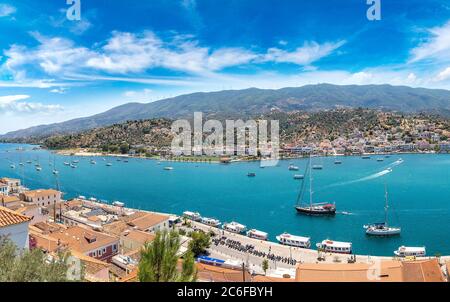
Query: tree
[
  {"x": 159, "y": 260},
  {"x": 265, "y": 265},
  {"x": 199, "y": 243},
  {"x": 30, "y": 265}
]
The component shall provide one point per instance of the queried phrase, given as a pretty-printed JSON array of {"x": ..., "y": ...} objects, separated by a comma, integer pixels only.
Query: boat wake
[
  {"x": 345, "y": 213},
  {"x": 367, "y": 178}
]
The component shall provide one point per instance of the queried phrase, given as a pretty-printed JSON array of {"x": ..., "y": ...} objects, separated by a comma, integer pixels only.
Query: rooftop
[
  {"x": 210, "y": 273},
  {"x": 9, "y": 217},
  {"x": 147, "y": 221},
  {"x": 40, "y": 193}
]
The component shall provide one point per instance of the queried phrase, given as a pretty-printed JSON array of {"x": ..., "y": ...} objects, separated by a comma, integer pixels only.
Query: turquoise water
[{"x": 419, "y": 190}]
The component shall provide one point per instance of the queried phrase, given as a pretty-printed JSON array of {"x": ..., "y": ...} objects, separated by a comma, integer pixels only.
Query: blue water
[{"x": 419, "y": 190}]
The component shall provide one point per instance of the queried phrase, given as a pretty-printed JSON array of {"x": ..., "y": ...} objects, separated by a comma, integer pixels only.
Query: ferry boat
[
  {"x": 234, "y": 227},
  {"x": 251, "y": 174},
  {"x": 168, "y": 168},
  {"x": 299, "y": 176},
  {"x": 338, "y": 247},
  {"x": 255, "y": 234},
  {"x": 383, "y": 229},
  {"x": 293, "y": 168},
  {"x": 296, "y": 241},
  {"x": 195, "y": 216},
  {"x": 318, "y": 209},
  {"x": 406, "y": 251},
  {"x": 317, "y": 167},
  {"x": 118, "y": 204},
  {"x": 210, "y": 221}
]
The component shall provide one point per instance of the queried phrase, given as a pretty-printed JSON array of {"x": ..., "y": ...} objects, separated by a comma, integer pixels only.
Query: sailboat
[
  {"x": 54, "y": 167},
  {"x": 322, "y": 209},
  {"x": 382, "y": 228}
]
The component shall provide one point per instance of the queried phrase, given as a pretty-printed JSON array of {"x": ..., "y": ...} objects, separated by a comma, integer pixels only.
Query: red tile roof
[{"x": 9, "y": 217}]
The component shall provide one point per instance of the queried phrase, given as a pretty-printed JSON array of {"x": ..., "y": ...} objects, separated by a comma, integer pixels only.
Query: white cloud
[
  {"x": 15, "y": 104},
  {"x": 126, "y": 53},
  {"x": 436, "y": 47},
  {"x": 142, "y": 95},
  {"x": 6, "y": 10},
  {"x": 305, "y": 55},
  {"x": 443, "y": 75},
  {"x": 59, "y": 90}
]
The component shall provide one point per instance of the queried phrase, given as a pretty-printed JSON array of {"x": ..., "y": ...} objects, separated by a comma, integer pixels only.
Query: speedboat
[
  {"x": 234, "y": 227},
  {"x": 255, "y": 234},
  {"x": 406, "y": 251},
  {"x": 338, "y": 247},
  {"x": 296, "y": 241}
]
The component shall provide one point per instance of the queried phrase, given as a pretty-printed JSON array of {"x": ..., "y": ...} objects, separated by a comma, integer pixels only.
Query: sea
[{"x": 418, "y": 187}]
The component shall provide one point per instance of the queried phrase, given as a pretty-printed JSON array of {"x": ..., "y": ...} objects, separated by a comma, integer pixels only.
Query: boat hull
[{"x": 316, "y": 212}]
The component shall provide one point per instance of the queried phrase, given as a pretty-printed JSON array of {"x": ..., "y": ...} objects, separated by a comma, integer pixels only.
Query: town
[{"x": 105, "y": 244}]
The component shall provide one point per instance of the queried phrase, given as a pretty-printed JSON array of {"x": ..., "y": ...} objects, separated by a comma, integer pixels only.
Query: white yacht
[
  {"x": 255, "y": 234},
  {"x": 234, "y": 227},
  {"x": 192, "y": 215},
  {"x": 210, "y": 221},
  {"x": 293, "y": 168},
  {"x": 338, "y": 247},
  {"x": 296, "y": 241},
  {"x": 382, "y": 228},
  {"x": 168, "y": 168},
  {"x": 406, "y": 251}
]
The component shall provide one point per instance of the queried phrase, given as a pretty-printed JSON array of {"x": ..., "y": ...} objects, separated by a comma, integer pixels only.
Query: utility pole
[{"x": 243, "y": 271}]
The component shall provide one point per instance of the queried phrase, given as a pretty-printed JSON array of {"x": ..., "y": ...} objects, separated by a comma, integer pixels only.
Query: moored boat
[
  {"x": 338, "y": 247},
  {"x": 296, "y": 241},
  {"x": 380, "y": 159},
  {"x": 192, "y": 215},
  {"x": 168, "y": 168},
  {"x": 365, "y": 157},
  {"x": 251, "y": 174},
  {"x": 317, "y": 167},
  {"x": 118, "y": 204},
  {"x": 383, "y": 229},
  {"x": 299, "y": 176},
  {"x": 407, "y": 251},
  {"x": 255, "y": 234},
  {"x": 234, "y": 227},
  {"x": 210, "y": 221},
  {"x": 293, "y": 168},
  {"x": 109, "y": 164},
  {"x": 337, "y": 162}
]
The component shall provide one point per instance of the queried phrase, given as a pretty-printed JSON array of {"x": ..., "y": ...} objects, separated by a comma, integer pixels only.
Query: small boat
[
  {"x": 338, "y": 247},
  {"x": 365, "y": 157},
  {"x": 73, "y": 166},
  {"x": 337, "y": 162},
  {"x": 55, "y": 172},
  {"x": 75, "y": 161},
  {"x": 387, "y": 156},
  {"x": 118, "y": 204},
  {"x": 158, "y": 163},
  {"x": 195, "y": 216},
  {"x": 20, "y": 164},
  {"x": 39, "y": 169},
  {"x": 168, "y": 168},
  {"x": 93, "y": 199},
  {"x": 82, "y": 197},
  {"x": 234, "y": 227},
  {"x": 255, "y": 234},
  {"x": 380, "y": 159},
  {"x": 109, "y": 164},
  {"x": 406, "y": 251},
  {"x": 29, "y": 161},
  {"x": 66, "y": 163},
  {"x": 12, "y": 166},
  {"x": 93, "y": 162},
  {"x": 296, "y": 241},
  {"x": 293, "y": 168},
  {"x": 125, "y": 160},
  {"x": 317, "y": 167},
  {"x": 118, "y": 159},
  {"x": 383, "y": 229},
  {"x": 299, "y": 176},
  {"x": 251, "y": 174},
  {"x": 210, "y": 221}
]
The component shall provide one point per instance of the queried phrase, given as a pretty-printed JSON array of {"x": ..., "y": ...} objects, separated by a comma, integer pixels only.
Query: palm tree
[{"x": 159, "y": 260}]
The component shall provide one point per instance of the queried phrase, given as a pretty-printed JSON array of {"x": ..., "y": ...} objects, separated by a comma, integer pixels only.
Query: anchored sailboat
[
  {"x": 327, "y": 209},
  {"x": 383, "y": 229}
]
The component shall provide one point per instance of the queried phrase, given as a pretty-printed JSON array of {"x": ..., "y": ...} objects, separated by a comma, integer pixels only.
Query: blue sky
[{"x": 53, "y": 69}]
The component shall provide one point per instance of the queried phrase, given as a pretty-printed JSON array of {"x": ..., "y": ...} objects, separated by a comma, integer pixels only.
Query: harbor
[{"x": 266, "y": 203}]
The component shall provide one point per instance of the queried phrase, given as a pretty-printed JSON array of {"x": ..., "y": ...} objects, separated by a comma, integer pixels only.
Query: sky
[{"x": 53, "y": 69}]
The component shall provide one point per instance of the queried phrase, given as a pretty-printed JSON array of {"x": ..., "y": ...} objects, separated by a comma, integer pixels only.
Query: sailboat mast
[
  {"x": 386, "y": 206},
  {"x": 310, "y": 183}
]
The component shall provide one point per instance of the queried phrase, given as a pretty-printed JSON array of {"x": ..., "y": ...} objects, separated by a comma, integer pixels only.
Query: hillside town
[{"x": 105, "y": 243}]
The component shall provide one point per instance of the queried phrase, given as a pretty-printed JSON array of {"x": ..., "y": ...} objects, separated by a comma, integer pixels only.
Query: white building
[
  {"x": 15, "y": 227},
  {"x": 41, "y": 197}
]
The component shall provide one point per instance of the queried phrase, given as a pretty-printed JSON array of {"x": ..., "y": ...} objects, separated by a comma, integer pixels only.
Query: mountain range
[{"x": 253, "y": 102}]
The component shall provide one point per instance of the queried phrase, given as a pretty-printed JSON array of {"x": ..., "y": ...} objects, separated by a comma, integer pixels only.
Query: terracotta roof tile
[{"x": 9, "y": 217}]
